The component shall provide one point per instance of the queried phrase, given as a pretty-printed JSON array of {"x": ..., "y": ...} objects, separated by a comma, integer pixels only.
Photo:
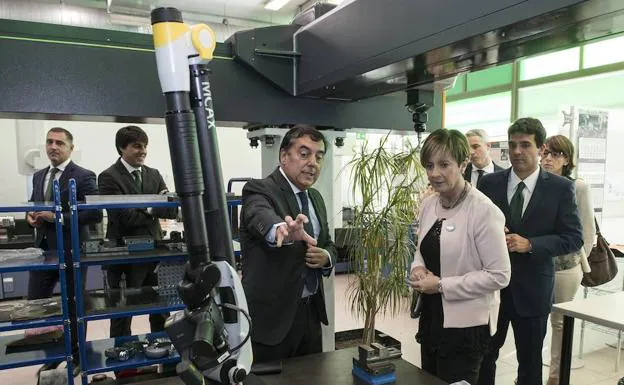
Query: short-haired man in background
[
  {"x": 480, "y": 161},
  {"x": 41, "y": 283}
]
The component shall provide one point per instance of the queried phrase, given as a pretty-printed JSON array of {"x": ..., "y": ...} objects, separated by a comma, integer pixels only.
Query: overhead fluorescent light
[
  {"x": 276, "y": 5},
  {"x": 129, "y": 20}
]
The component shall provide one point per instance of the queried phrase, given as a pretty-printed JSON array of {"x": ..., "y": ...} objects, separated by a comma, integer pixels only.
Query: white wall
[
  {"x": 13, "y": 187},
  {"x": 95, "y": 144}
]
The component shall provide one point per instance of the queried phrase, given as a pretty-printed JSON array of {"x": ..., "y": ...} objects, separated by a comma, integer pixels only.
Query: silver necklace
[{"x": 458, "y": 200}]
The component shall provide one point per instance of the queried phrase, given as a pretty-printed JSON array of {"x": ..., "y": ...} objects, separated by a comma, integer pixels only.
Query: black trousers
[
  {"x": 452, "y": 368},
  {"x": 136, "y": 276},
  {"x": 41, "y": 284},
  {"x": 304, "y": 337},
  {"x": 529, "y": 336}
]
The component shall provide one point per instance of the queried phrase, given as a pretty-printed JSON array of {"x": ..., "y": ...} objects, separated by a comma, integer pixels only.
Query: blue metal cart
[
  {"x": 15, "y": 358},
  {"x": 92, "y": 353}
]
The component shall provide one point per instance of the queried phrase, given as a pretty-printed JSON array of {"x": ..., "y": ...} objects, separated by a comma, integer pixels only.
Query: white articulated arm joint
[{"x": 172, "y": 42}]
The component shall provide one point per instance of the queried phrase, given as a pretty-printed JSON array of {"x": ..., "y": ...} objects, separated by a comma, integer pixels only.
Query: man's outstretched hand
[{"x": 293, "y": 230}]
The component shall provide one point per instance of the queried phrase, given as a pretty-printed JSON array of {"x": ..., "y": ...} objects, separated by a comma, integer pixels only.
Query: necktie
[
  {"x": 480, "y": 172},
  {"x": 311, "y": 277},
  {"x": 48, "y": 192},
  {"x": 517, "y": 203},
  {"x": 138, "y": 181},
  {"x": 305, "y": 210}
]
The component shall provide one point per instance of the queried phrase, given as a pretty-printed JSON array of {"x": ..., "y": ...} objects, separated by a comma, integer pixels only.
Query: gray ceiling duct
[{"x": 365, "y": 48}]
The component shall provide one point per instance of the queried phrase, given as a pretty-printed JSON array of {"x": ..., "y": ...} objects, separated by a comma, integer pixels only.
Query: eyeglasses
[{"x": 554, "y": 154}]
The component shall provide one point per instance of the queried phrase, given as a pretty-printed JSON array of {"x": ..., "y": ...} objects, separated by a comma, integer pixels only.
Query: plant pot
[{"x": 352, "y": 338}]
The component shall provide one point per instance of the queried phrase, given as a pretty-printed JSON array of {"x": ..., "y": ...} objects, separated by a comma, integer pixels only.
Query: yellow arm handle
[{"x": 204, "y": 40}]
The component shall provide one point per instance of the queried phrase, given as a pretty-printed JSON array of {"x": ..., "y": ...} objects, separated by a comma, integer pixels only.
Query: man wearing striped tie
[{"x": 286, "y": 250}]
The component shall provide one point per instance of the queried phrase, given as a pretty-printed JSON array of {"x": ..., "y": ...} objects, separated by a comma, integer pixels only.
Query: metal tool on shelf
[
  {"x": 210, "y": 335},
  {"x": 6, "y": 223}
]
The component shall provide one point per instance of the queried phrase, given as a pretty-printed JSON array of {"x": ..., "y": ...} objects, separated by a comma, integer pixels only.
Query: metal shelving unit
[
  {"x": 138, "y": 301},
  {"x": 14, "y": 357}
]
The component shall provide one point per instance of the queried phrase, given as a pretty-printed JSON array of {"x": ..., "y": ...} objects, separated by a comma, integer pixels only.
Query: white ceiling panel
[{"x": 241, "y": 9}]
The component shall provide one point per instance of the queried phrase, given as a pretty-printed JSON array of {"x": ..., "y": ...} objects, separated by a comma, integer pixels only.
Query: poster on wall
[
  {"x": 499, "y": 152},
  {"x": 587, "y": 128}
]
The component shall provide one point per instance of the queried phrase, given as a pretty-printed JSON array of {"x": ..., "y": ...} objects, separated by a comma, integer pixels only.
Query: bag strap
[{"x": 597, "y": 227}]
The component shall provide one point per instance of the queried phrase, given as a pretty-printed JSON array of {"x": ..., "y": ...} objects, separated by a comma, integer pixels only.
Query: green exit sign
[{"x": 360, "y": 135}]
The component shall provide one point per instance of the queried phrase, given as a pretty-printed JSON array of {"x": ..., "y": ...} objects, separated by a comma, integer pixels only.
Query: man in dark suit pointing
[
  {"x": 286, "y": 249},
  {"x": 542, "y": 221}
]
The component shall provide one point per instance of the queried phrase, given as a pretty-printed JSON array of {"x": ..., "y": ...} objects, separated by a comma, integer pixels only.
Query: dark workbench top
[{"x": 331, "y": 368}]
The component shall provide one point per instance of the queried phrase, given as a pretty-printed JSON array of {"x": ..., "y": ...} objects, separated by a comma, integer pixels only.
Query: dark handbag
[{"x": 601, "y": 261}]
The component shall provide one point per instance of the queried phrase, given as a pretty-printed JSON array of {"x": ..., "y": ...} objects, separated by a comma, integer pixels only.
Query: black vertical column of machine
[
  {"x": 215, "y": 205},
  {"x": 187, "y": 173}
]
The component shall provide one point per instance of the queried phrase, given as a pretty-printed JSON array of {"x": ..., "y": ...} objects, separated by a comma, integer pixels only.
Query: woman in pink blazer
[{"x": 460, "y": 265}]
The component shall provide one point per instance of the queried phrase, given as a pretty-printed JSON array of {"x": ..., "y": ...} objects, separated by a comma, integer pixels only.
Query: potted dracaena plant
[{"x": 386, "y": 184}]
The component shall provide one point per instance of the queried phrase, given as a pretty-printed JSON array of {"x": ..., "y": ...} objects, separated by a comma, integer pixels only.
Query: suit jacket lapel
[
  {"x": 283, "y": 184},
  {"x": 534, "y": 201},
  {"x": 39, "y": 185},
  {"x": 502, "y": 200}
]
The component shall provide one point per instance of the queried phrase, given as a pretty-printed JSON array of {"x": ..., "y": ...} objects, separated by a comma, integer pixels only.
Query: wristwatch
[{"x": 440, "y": 289}]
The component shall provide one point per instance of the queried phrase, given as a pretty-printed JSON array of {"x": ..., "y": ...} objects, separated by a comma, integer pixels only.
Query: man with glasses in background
[{"x": 286, "y": 249}]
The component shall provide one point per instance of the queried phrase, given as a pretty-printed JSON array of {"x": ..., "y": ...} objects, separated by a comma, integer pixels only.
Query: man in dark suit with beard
[
  {"x": 283, "y": 258},
  {"x": 129, "y": 175},
  {"x": 59, "y": 146}
]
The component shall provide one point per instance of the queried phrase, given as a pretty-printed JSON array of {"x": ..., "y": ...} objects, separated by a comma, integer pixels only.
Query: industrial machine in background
[{"x": 212, "y": 334}]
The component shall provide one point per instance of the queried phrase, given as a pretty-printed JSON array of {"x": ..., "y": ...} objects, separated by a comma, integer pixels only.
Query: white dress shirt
[
  {"x": 529, "y": 182},
  {"x": 57, "y": 176},
  {"x": 130, "y": 168},
  {"x": 475, "y": 172}
]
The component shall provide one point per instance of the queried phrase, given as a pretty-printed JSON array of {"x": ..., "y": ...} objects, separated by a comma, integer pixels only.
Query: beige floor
[{"x": 598, "y": 369}]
